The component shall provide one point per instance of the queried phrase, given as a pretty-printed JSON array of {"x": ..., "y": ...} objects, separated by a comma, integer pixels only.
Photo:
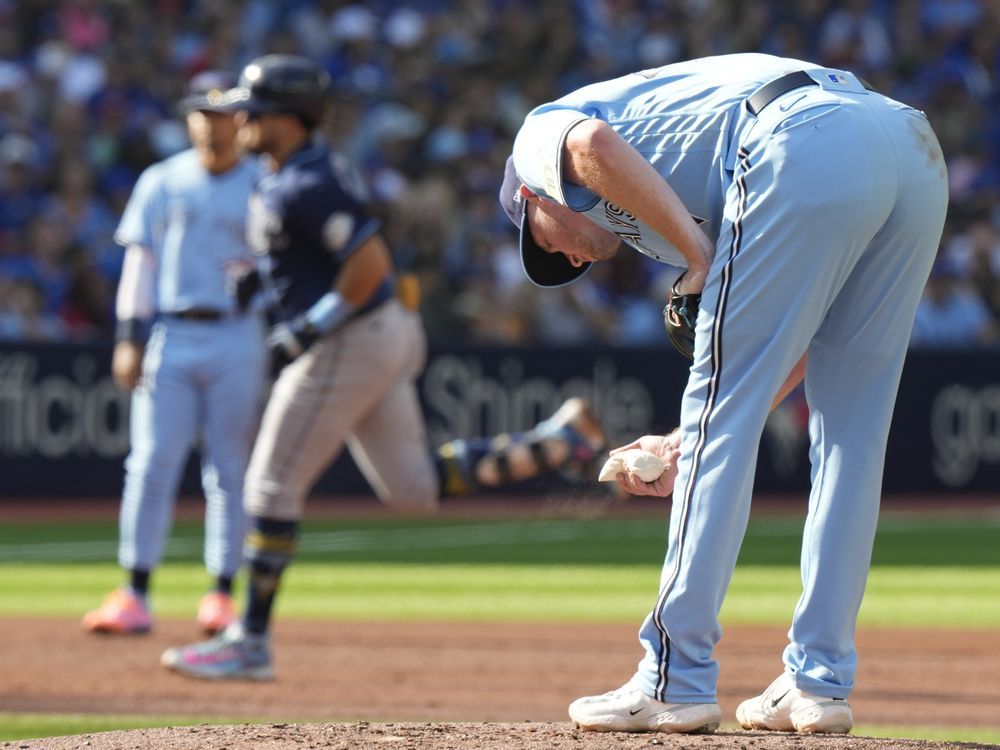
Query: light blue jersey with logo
[
  {"x": 194, "y": 222},
  {"x": 683, "y": 118}
]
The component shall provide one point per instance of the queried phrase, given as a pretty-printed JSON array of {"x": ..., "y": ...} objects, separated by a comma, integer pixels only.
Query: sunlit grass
[{"x": 927, "y": 572}]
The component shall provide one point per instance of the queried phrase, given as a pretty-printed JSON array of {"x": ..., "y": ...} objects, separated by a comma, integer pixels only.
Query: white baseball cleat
[
  {"x": 628, "y": 709},
  {"x": 785, "y": 708}
]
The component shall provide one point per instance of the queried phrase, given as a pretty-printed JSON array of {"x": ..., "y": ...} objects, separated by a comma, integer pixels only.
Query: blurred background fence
[{"x": 64, "y": 424}]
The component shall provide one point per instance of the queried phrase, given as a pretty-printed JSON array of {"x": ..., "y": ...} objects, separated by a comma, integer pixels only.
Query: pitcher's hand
[{"x": 667, "y": 447}]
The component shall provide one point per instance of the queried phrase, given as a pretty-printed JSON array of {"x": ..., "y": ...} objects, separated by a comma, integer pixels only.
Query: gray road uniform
[{"x": 353, "y": 386}]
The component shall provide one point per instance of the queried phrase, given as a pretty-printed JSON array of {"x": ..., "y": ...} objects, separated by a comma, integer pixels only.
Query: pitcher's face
[{"x": 558, "y": 229}]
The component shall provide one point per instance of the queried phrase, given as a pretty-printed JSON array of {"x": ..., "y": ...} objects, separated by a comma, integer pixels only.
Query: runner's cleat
[
  {"x": 576, "y": 423},
  {"x": 234, "y": 654}
]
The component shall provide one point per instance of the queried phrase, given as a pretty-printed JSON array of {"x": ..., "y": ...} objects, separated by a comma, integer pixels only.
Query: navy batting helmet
[{"x": 282, "y": 84}]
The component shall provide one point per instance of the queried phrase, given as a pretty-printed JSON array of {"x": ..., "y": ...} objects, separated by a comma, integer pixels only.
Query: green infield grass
[
  {"x": 22, "y": 726},
  {"x": 510, "y": 570},
  {"x": 541, "y": 570}
]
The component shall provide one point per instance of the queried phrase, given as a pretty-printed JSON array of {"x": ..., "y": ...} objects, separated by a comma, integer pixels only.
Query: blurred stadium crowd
[{"x": 428, "y": 95}]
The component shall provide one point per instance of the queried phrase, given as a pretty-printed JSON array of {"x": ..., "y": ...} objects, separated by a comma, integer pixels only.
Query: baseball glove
[
  {"x": 680, "y": 316},
  {"x": 242, "y": 286}
]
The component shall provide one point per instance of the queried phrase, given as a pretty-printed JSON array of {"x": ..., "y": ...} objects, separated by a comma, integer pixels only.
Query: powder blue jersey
[
  {"x": 194, "y": 222},
  {"x": 684, "y": 118}
]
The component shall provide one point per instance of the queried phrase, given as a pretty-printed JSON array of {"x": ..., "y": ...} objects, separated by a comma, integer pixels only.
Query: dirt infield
[
  {"x": 480, "y": 736},
  {"x": 471, "y": 686},
  {"x": 507, "y": 684}
]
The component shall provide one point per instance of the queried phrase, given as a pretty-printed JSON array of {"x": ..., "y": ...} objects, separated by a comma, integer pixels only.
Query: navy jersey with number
[{"x": 305, "y": 221}]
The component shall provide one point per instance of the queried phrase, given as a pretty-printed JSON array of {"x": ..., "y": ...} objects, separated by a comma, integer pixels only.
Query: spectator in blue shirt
[{"x": 951, "y": 315}]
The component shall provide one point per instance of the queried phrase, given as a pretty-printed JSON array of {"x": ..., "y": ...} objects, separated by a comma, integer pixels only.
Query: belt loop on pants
[{"x": 771, "y": 91}]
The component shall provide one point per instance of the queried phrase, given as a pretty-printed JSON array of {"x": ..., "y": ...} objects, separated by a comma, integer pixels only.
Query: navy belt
[
  {"x": 788, "y": 82},
  {"x": 199, "y": 314},
  {"x": 771, "y": 91}
]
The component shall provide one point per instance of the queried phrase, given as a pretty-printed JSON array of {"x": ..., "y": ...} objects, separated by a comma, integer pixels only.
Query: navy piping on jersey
[
  {"x": 713, "y": 393},
  {"x": 361, "y": 237},
  {"x": 305, "y": 154}
]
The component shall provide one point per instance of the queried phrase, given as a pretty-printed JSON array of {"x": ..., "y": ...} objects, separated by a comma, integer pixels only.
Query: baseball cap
[
  {"x": 542, "y": 268},
  {"x": 206, "y": 92}
]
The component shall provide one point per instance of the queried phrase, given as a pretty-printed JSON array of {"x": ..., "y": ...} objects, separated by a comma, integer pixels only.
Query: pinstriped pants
[
  {"x": 357, "y": 387},
  {"x": 832, "y": 221}
]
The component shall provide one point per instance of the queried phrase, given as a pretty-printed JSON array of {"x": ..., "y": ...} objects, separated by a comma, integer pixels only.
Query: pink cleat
[
  {"x": 123, "y": 612},
  {"x": 216, "y": 612}
]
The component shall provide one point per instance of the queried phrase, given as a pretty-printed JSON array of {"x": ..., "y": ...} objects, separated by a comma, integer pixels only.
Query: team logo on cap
[{"x": 215, "y": 97}]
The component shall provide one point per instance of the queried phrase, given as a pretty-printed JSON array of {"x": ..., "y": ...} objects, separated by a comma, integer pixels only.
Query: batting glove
[{"x": 287, "y": 341}]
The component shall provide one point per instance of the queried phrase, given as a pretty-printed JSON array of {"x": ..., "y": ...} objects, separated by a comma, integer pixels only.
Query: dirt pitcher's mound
[
  {"x": 510, "y": 681},
  {"x": 480, "y": 736}
]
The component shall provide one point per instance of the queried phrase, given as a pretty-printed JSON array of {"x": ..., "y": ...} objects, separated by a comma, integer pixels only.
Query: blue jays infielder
[
  {"x": 807, "y": 210},
  {"x": 203, "y": 366}
]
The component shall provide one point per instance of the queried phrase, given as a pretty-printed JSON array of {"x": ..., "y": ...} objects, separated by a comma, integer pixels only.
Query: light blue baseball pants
[
  {"x": 201, "y": 384},
  {"x": 832, "y": 220}
]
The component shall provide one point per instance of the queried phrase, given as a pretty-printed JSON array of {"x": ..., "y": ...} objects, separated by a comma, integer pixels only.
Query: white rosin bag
[{"x": 635, "y": 461}]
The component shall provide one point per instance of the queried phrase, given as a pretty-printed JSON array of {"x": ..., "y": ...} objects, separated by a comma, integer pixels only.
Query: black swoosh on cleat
[
  {"x": 633, "y": 713},
  {"x": 774, "y": 703}
]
